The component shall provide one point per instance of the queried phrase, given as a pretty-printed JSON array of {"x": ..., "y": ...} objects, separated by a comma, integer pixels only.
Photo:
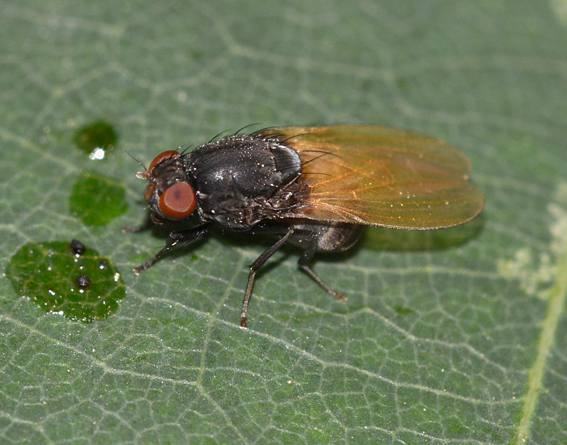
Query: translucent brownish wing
[{"x": 381, "y": 176}]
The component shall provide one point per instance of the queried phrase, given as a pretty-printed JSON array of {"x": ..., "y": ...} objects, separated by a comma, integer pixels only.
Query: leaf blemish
[
  {"x": 533, "y": 273},
  {"x": 536, "y": 273}
]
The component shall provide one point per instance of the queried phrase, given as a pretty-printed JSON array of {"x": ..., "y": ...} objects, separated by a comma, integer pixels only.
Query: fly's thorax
[{"x": 239, "y": 179}]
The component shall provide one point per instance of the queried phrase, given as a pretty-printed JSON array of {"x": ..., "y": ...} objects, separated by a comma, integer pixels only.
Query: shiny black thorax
[{"x": 242, "y": 180}]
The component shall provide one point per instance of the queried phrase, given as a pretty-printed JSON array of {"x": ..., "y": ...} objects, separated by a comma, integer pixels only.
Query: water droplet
[
  {"x": 95, "y": 139},
  {"x": 97, "y": 154},
  {"x": 97, "y": 199},
  {"x": 50, "y": 275}
]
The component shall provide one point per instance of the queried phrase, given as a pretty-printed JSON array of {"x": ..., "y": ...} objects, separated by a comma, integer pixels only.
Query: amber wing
[{"x": 381, "y": 176}]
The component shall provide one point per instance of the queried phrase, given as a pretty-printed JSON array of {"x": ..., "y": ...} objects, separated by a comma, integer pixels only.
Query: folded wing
[{"x": 381, "y": 176}]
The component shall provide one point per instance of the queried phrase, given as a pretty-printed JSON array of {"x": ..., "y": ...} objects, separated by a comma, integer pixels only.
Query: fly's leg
[
  {"x": 141, "y": 228},
  {"x": 304, "y": 262},
  {"x": 256, "y": 265},
  {"x": 175, "y": 239}
]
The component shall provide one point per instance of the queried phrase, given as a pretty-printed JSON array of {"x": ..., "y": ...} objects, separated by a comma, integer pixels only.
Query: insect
[{"x": 313, "y": 187}]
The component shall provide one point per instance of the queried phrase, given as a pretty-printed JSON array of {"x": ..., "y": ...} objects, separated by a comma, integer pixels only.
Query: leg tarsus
[{"x": 141, "y": 228}]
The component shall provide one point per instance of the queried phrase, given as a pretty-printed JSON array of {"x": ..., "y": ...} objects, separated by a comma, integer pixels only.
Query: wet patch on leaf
[
  {"x": 81, "y": 286},
  {"x": 401, "y": 310},
  {"x": 96, "y": 139},
  {"x": 97, "y": 199}
]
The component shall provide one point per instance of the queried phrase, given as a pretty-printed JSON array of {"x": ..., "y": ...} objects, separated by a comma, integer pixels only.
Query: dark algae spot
[
  {"x": 83, "y": 281},
  {"x": 96, "y": 136},
  {"x": 97, "y": 199},
  {"x": 401, "y": 310},
  {"x": 77, "y": 247},
  {"x": 57, "y": 280}
]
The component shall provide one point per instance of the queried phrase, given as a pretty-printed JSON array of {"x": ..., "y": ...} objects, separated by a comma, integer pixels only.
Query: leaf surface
[{"x": 460, "y": 343}]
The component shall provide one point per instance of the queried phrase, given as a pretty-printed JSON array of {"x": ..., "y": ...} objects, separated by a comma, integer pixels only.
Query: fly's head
[{"x": 169, "y": 194}]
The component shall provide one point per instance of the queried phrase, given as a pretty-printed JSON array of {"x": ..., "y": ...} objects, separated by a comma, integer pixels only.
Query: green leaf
[{"x": 455, "y": 338}]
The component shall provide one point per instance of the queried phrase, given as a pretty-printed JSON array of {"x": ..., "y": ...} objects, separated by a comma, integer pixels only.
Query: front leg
[
  {"x": 176, "y": 239},
  {"x": 146, "y": 225}
]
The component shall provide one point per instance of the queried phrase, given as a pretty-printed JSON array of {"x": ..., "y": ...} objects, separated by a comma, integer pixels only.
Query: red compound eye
[
  {"x": 162, "y": 157},
  {"x": 150, "y": 190},
  {"x": 178, "y": 201}
]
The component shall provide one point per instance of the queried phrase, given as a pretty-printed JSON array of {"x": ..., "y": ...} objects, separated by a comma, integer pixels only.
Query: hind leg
[
  {"x": 327, "y": 238},
  {"x": 304, "y": 263}
]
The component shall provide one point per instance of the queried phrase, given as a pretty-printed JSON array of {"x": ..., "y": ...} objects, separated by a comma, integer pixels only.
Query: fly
[{"x": 313, "y": 187}]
